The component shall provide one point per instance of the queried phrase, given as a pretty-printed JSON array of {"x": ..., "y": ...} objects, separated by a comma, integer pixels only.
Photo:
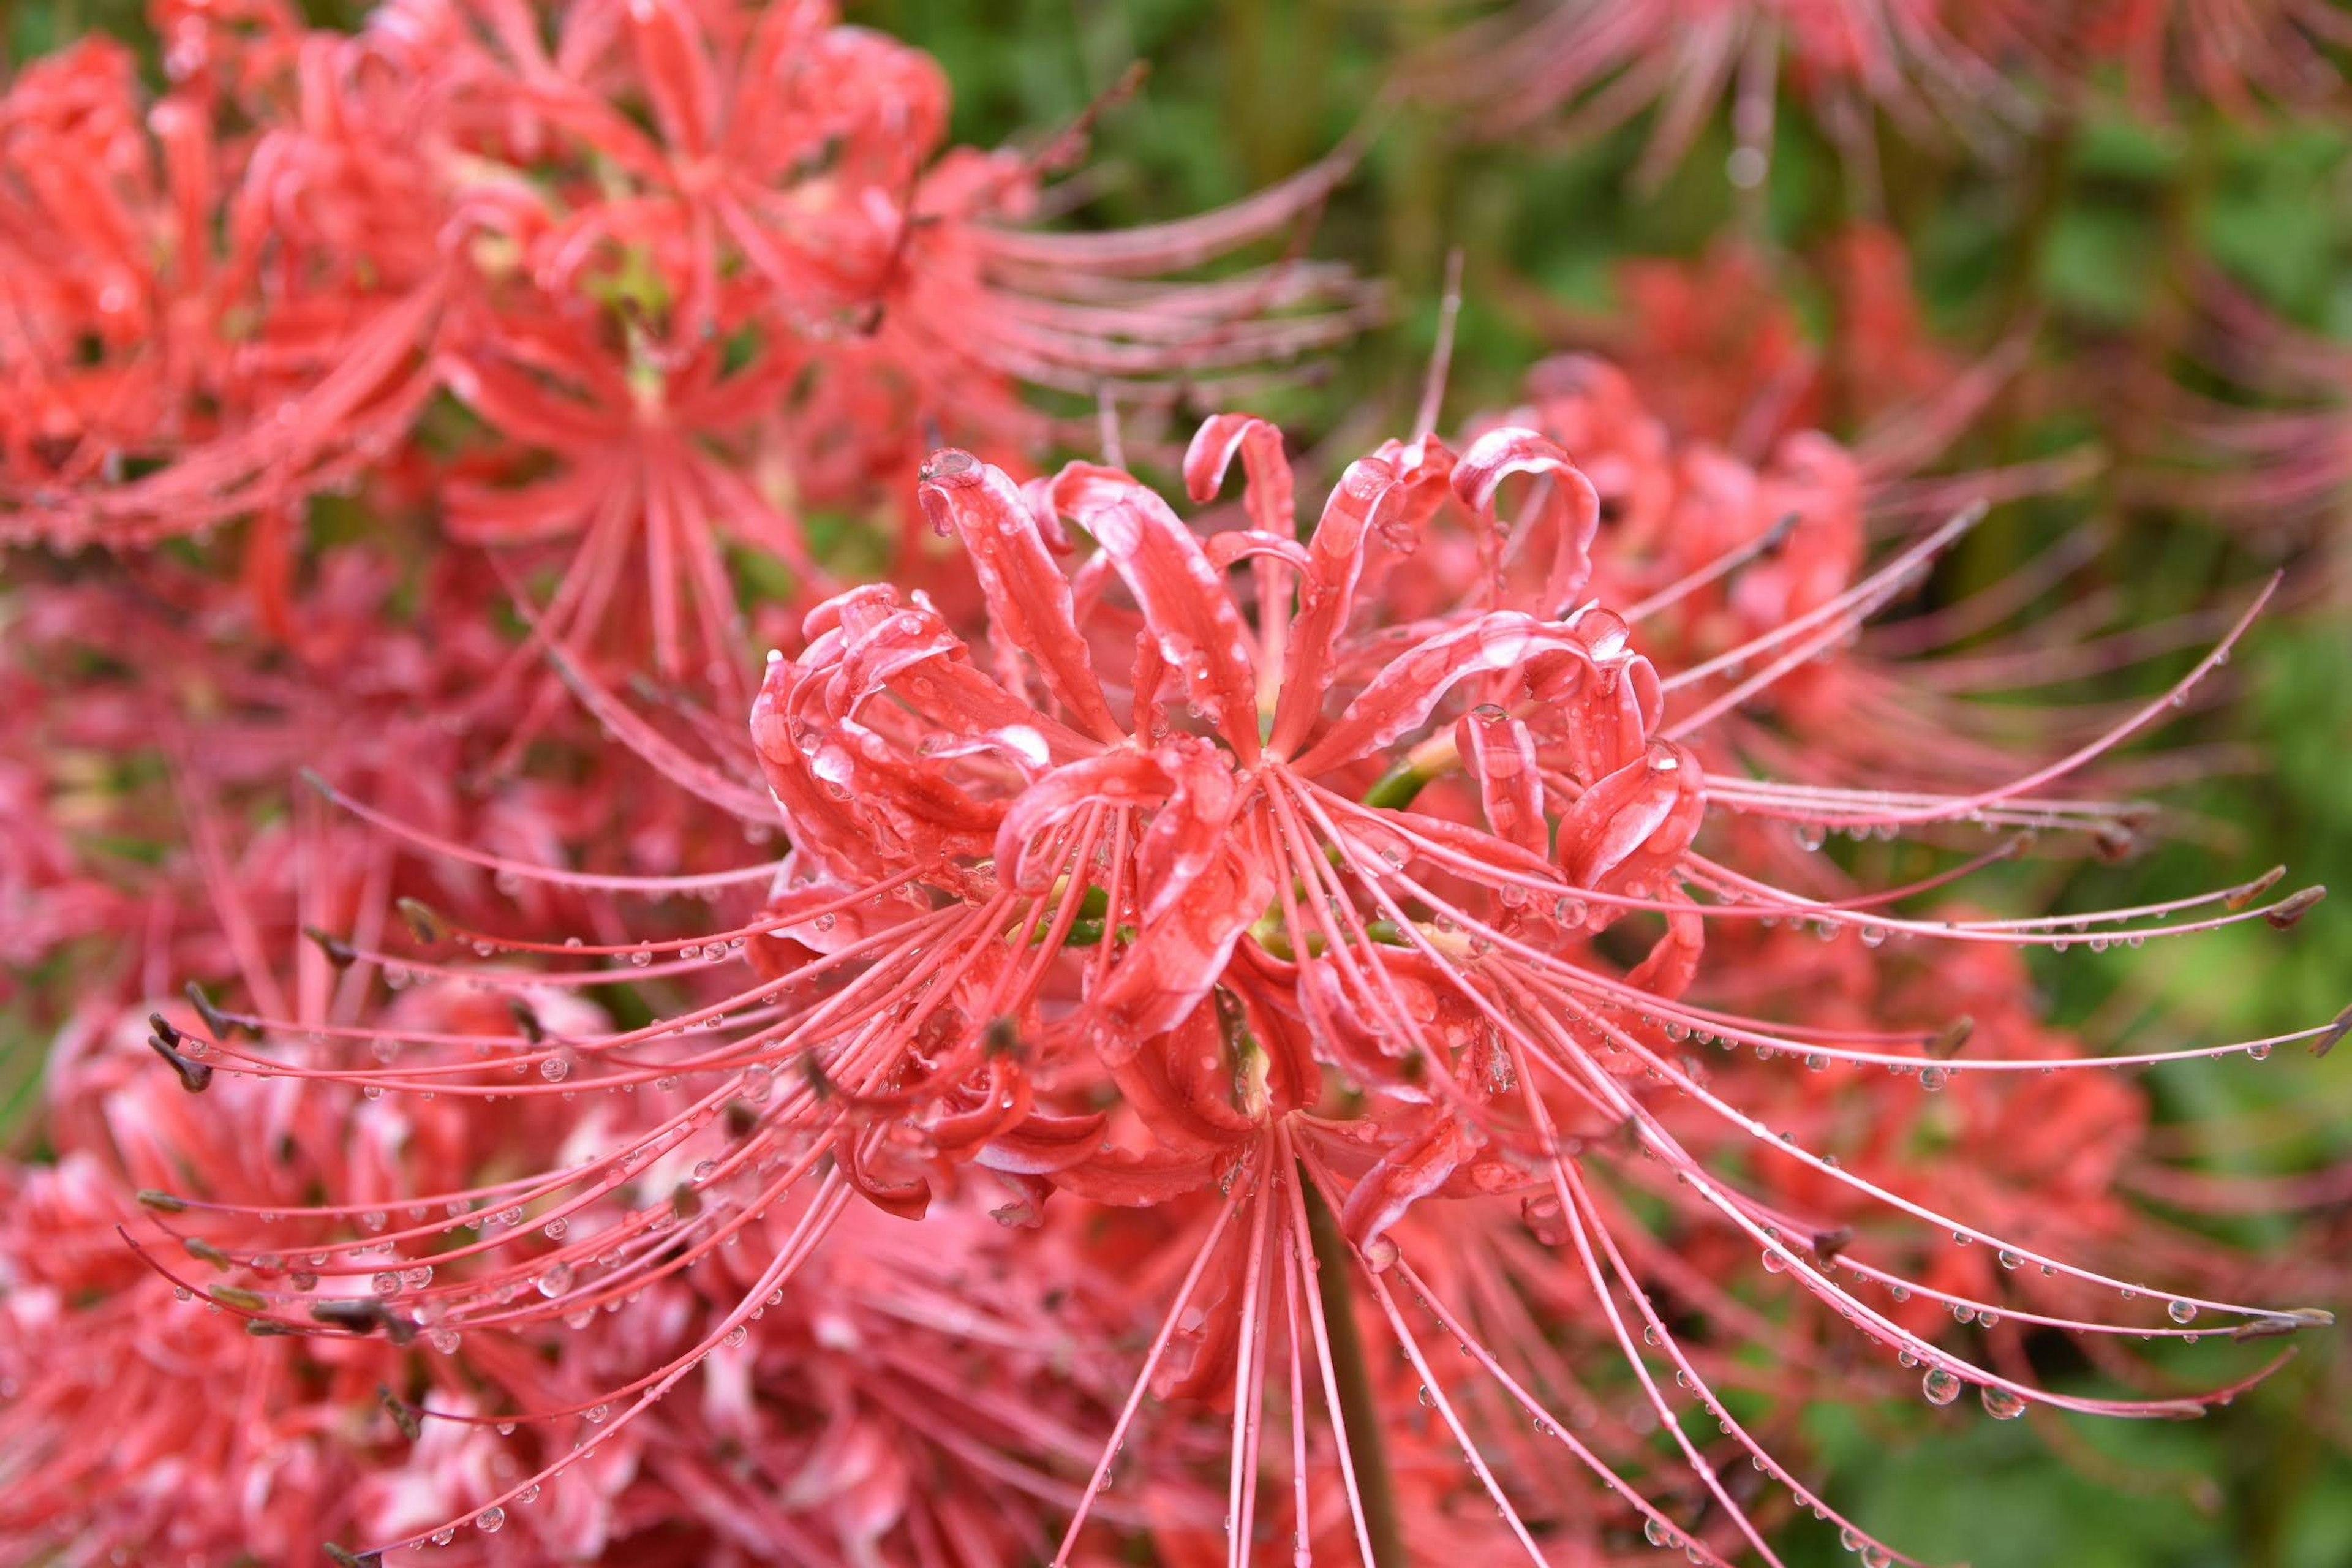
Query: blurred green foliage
[{"x": 2093, "y": 233}]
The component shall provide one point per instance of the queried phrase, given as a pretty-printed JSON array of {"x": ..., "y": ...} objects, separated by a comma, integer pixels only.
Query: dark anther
[
  {"x": 198, "y": 1248},
  {"x": 195, "y": 1076},
  {"x": 2255, "y": 888},
  {"x": 239, "y": 1298},
  {"x": 526, "y": 1020},
  {"x": 2326, "y": 1039},
  {"x": 1828, "y": 1244},
  {"x": 163, "y": 1027},
  {"x": 1947, "y": 1044},
  {"x": 403, "y": 1413},
  {"x": 424, "y": 926},
  {"x": 2294, "y": 907},
  {"x": 814, "y": 1071},
  {"x": 364, "y": 1315},
  {"x": 343, "y": 1559},
  {"x": 1003, "y": 1038},
  {"x": 164, "y": 1202},
  {"x": 338, "y": 952},
  {"x": 218, "y": 1022},
  {"x": 743, "y": 1116}
]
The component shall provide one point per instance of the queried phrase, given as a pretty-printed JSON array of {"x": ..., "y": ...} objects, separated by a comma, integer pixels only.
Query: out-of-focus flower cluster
[{"x": 1136, "y": 1035}]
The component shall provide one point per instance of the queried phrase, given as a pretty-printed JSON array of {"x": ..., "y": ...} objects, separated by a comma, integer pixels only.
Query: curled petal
[
  {"x": 1501, "y": 755},
  {"x": 1122, "y": 780},
  {"x": 1567, "y": 513},
  {"x": 1368, "y": 496},
  {"x": 1643, "y": 816},
  {"x": 1181, "y": 593},
  {"x": 1411, "y": 1169},
  {"x": 1268, "y": 490},
  {"x": 1398, "y": 700},
  {"x": 1042, "y": 1144},
  {"x": 1028, "y": 596}
]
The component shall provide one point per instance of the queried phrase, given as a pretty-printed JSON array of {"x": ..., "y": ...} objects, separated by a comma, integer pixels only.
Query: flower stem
[{"x": 1358, "y": 1411}]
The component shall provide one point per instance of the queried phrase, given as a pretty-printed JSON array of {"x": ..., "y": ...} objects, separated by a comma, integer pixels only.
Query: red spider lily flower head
[
  {"x": 1720, "y": 353},
  {"x": 909, "y": 1385},
  {"x": 687, "y": 270},
  {"x": 144, "y": 1425},
  {"x": 2239, "y": 57},
  {"x": 1578, "y": 71},
  {"x": 1229, "y": 874},
  {"x": 1706, "y": 550},
  {"x": 2257, "y": 433},
  {"x": 215, "y": 317}
]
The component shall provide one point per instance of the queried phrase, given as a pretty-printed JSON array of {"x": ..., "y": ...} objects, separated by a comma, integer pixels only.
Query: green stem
[
  {"x": 1360, "y": 1412},
  {"x": 1395, "y": 788}
]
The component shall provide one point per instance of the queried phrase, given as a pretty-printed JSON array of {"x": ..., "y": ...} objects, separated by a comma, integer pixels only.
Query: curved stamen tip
[
  {"x": 218, "y": 1022},
  {"x": 424, "y": 925},
  {"x": 2294, "y": 907},
  {"x": 1004, "y": 1039},
  {"x": 343, "y": 1559},
  {"x": 362, "y": 1315},
  {"x": 2333, "y": 1033},
  {"x": 318, "y": 781},
  {"x": 1947, "y": 1044},
  {"x": 2271, "y": 1325},
  {"x": 404, "y": 1414},
  {"x": 2255, "y": 888},
  {"x": 2115, "y": 842},
  {"x": 338, "y": 952},
  {"x": 195, "y": 1076}
]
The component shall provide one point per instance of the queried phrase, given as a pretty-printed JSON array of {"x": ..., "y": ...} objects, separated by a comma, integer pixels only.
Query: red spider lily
[
  {"x": 2275, "y": 456},
  {"x": 136, "y": 1429},
  {"x": 1721, "y": 355},
  {"x": 1707, "y": 554},
  {"x": 1250, "y": 901},
  {"x": 208, "y": 323},
  {"x": 1582, "y": 69},
  {"x": 690, "y": 270},
  {"x": 910, "y": 1395},
  {"x": 2230, "y": 53}
]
